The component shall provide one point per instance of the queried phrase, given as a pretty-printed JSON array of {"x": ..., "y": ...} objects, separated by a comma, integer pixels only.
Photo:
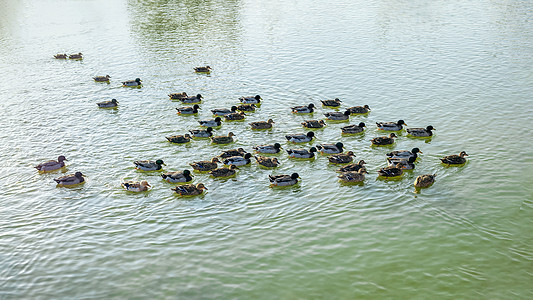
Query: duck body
[
  {"x": 224, "y": 172},
  {"x": 189, "y": 189},
  {"x": 390, "y": 171},
  {"x": 223, "y": 139},
  {"x": 424, "y": 181},
  {"x": 178, "y": 96},
  {"x": 188, "y": 110},
  {"x": 205, "y": 165},
  {"x": 108, "y": 104},
  {"x": 216, "y": 122},
  {"x": 251, "y": 100},
  {"x": 353, "y": 176},
  {"x": 233, "y": 152},
  {"x": 333, "y": 103},
  {"x": 177, "y": 177},
  {"x": 136, "y": 186},
  {"x": 179, "y": 139},
  {"x": 356, "y": 110},
  {"x": 246, "y": 107},
  {"x": 236, "y": 116},
  {"x": 262, "y": 124},
  {"x": 383, "y": 140},
  {"x": 61, "y": 56},
  {"x": 202, "y": 133},
  {"x": 102, "y": 78},
  {"x": 76, "y": 56},
  {"x": 455, "y": 159},
  {"x": 148, "y": 165},
  {"x": 51, "y": 165},
  {"x": 283, "y": 180},
  {"x": 223, "y": 111},
  {"x": 390, "y": 126},
  {"x": 421, "y": 132},
  {"x": 136, "y": 82},
  {"x": 300, "y": 138},
  {"x": 404, "y": 154},
  {"x": 267, "y": 161},
  {"x": 353, "y": 129},
  {"x": 313, "y": 123},
  {"x": 69, "y": 180},
  {"x": 330, "y": 148},
  {"x": 238, "y": 160},
  {"x": 352, "y": 167},
  {"x": 271, "y": 149},
  {"x": 303, "y": 109},
  {"x": 192, "y": 99},
  {"x": 406, "y": 164},
  {"x": 337, "y": 116},
  {"x": 302, "y": 153},
  {"x": 205, "y": 69},
  {"x": 342, "y": 158}
]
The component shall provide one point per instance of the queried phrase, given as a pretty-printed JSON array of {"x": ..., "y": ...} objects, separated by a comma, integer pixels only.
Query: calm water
[{"x": 462, "y": 66}]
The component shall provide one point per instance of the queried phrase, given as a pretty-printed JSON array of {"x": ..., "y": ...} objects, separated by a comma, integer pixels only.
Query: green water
[{"x": 463, "y": 67}]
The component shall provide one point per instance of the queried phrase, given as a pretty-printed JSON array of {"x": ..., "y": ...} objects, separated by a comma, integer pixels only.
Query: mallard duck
[
  {"x": 383, "y": 140},
  {"x": 210, "y": 123},
  {"x": 148, "y": 165},
  {"x": 390, "y": 171},
  {"x": 102, "y": 78},
  {"x": 246, "y": 107},
  {"x": 76, "y": 56},
  {"x": 420, "y": 132},
  {"x": 192, "y": 99},
  {"x": 136, "y": 82},
  {"x": 178, "y": 96},
  {"x": 188, "y": 110},
  {"x": 233, "y": 152},
  {"x": 332, "y": 103},
  {"x": 176, "y": 177},
  {"x": 136, "y": 186},
  {"x": 223, "y": 111},
  {"x": 223, "y": 139},
  {"x": 205, "y": 69},
  {"x": 352, "y": 167},
  {"x": 424, "y": 181},
  {"x": 71, "y": 179},
  {"x": 205, "y": 165},
  {"x": 302, "y": 153},
  {"x": 405, "y": 154},
  {"x": 455, "y": 159},
  {"x": 391, "y": 126},
  {"x": 342, "y": 158},
  {"x": 303, "y": 109},
  {"x": 262, "y": 124},
  {"x": 300, "y": 138},
  {"x": 61, "y": 56},
  {"x": 202, "y": 133},
  {"x": 267, "y": 161},
  {"x": 283, "y": 180},
  {"x": 52, "y": 165},
  {"x": 353, "y": 129},
  {"x": 353, "y": 176},
  {"x": 238, "y": 160},
  {"x": 236, "y": 116},
  {"x": 275, "y": 148},
  {"x": 189, "y": 189},
  {"x": 108, "y": 104},
  {"x": 179, "y": 139},
  {"x": 337, "y": 116},
  {"x": 224, "y": 172},
  {"x": 314, "y": 123},
  {"x": 404, "y": 163},
  {"x": 330, "y": 148},
  {"x": 251, "y": 100},
  {"x": 358, "y": 109}
]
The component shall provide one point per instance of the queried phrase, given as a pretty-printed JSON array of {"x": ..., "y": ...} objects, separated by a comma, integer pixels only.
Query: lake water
[{"x": 462, "y": 66}]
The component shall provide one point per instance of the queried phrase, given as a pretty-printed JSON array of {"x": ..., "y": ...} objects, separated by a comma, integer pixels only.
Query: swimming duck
[
  {"x": 303, "y": 109},
  {"x": 192, "y": 99},
  {"x": 189, "y": 189},
  {"x": 420, "y": 132},
  {"x": 424, "y": 181},
  {"x": 262, "y": 124},
  {"x": 383, "y": 140},
  {"x": 61, "y": 56},
  {"x": 337, "y": 116},
  {"x": 406, "y": 164},
  {"x": 390, "y": 126},
  {"x": 236, "y": 116},
  {"x": 342, "y": 158},
  {"x": 238, "y": 160},
  {"x": 332, "y": 103},
  {"x": 51, "y": 165},
  {"x": 302, "y": 153},
  {"x": 205, "y": 69},
  {"x": 251, "y": 100},
  {"x": 179, "y": 139},
  {"x": 353, "y": 129},
  {"x": 76, "y": 56},
  {"x": 267, "y": 161},
  {"x": 148, "y": 165},
  {"x": 455, "y": 159},
  {"x": 108, "y": 104},
  {"x": 188, "y": 110},
  {"x": 202, "y": 133},
  {"x": 224, "y": 172},
  {"x": 222, "y": 139},
  {"x": 136, "y": 186},
  {"x": 283, "y": 180},
  {"x": 102, "y": 78},
  {"x": 352, "y": 167},
  {"x": 71, "y": 179},
  {"x": 233, "y": 152},
  {"x": 405, "y": 154},
  {"x": 358, "y": 109},
  {"x": 300, "y": 138},
  {"x": 210, "y": 123},
  {"x": 390, "y": 171},
  {"x": 178, "y": 96},
  {"x": 275, "y": 148},
  {"x": 223, "y": 111},
  {"x": 330, "y": 148},
  {"x": 314, "y": 123},
  {"x": 176, "y": 177},
  {"x": 353, "y": 176},
  {"x": 246, "y": 107},
  {"x": 136, "y": 82},
  {"x": 205, "y": 165}
]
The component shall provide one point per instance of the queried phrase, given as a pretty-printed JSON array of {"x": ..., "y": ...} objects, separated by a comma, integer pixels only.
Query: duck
[
  {"x": 205, "y": 165},
  {"x": 205, "y": 69},
  {"x": 223, "y": 139},
  {"x": 283, "y": 180},
  {"x": 342, "y": 158},
  {"x": 202, "y": 133},
  {"x": 406, "y": 164},
  {"x": 136, "y": 186},
  {"x": 313, "y": 123},
  {"x": 179, "y": 139},
  {"x": 177, "y": 177},
  {"x": 52, "y": 165},
  {"x": 358, "y": 109},
  {"x": 271, "y": 149},
  {"x": 390, "y": 171},
  {"x": 61, "y": 56},
  {"x": 391, "y": 126},
  {"x": 233, "y": 152},
  {"x": 102, "y": 78},
  {"x": 136, "y": 82},
  {"x": 404, "y": 154},
  {"x": 149, "y": 165},
  {"x": 383, "y": 140},
  {"x": 332, "y": 103},
  {"x": 178, "y": 96},
  {"x": 251, "y": 100},
  {"x": 262, "y": 124},
  {"x": 210, "y": 123},
  {"x": 455, "y": 159},
  {"x": 238, "y": 160},
  {"x": 71, "y": 179},
  {"x": 353, "y": 176},
  {"x": 424, "y": 181},
  {"x": 302, "y": 153},
  {"x": 353, "y": 129},
  {"x": 224, "y": 172},
  {"x": 108, "y": 104},
  {"x": 303, "y": 109},
  {"x": 352, "y": 167},
  {"x": 192, "y": 99},
  {"x": 337, "y": 116},
  {"x": 420, "y": 132},
  {"x": 300, "y": 138},
  {"x": 189, "y": 189},
  {"x": 330, "y": 148},
  {"x": 188, "y": 110},
  {"x": 223, "y": 111},
  {"x": 76, "y": 56},
  {"x": 236, "y": 116},
  {"x": 267, "y": 161},
  {"x": 246, "y": 107}
]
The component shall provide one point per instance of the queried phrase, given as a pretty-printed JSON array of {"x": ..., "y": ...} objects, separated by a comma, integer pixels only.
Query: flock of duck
[{"x": 350, "y": 172}]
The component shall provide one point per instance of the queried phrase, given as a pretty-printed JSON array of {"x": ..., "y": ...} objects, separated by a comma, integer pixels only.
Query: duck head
[
  {"x": 392, "y": 135},
  {"x": 201, "y": 186},
  {"x": 339, "y": 145},
  {"x": 199, "y": 96},
  {"x": 231, "y": 134},
  {"x": 361, "y": 125},
  {"x": 159, "y": 162},
  {"x": 429, "y": 128},
  {"x": 234, "y": 108},
  {"x": 258, "y": 98},
  {"x": 313, "y": 149},
  {"x": 463, "y": 154},
  {"x": 367, "y": 107},
  {"x": 138, "y": 79},
  {"x": 416, "y": 150},
  {"x": 310, "y": 134},
  {"x": 196, "y": 106},
  {"x": 270, "y": 121},
  {"x": 217, "y": 119},
  {"x": 277, "y": 145},
  {"x": 145, "y": 183},
  {"x": 61, "y": 158},
  {"x": 186, "y": 172},
  {"x": 78, "y": 175},
  {"x": 248, "y": 155},
  {"x": 401, "y": 122},
  {"x": 310, "y": 106},
  {"x": 347, "y": 113},
  {"x": 295, "y": 176},
  {"x": 215, "y": 160},
  {"x": 361, "y": 162},
  {"x": 350, "y": 153},
  {"x": 114, "y": 101},
  {"x": 209, "y": 129}
]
